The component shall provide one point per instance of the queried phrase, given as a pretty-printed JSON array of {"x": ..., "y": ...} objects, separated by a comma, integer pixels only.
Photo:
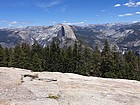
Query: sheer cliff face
[
  {"x": 66, "y": 36},
  {"x": 68, "y": 32}
]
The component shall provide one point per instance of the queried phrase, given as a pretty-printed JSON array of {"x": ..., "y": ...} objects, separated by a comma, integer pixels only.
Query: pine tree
[
  {"x": 26, "y": 56},
  {"x": 62, "y": 61},
  {"x": 16, "y": 61},
  {"x": 36, "y": 63},
  {"x": 75, "y": 57},
  {"x": 96, "y": 62},
  {"x": 68, "y": 60},
  {"x": 6, "y": 57},
  {"x": 23, "y": 60},
  {"x": 80, "y": 59},
  {"x": 11, "y": 57},
  {"x": 1, "y": 56},
  {"x": 107, "y": 63},
  {"x": 46, "y": 58},
  {"x": 138, "y": 69},
  {"x": 54, "y": 55},
  {"x": 132, "y": 61},
  {"x": 85, "y": 62},
  {"x": 36, "y": 48},
  {"x": 116, "y": 61}
]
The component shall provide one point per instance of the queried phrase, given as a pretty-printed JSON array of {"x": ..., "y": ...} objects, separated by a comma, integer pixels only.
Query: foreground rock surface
[{"x": 23, "y": 87}]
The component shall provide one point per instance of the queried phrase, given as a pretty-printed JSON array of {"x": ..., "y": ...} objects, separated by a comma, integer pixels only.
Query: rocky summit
[{"x": 23, "y": 87}]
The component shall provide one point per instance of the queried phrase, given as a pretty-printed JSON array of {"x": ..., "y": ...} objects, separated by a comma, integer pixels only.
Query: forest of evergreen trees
[{"x": 80, "y": 60}]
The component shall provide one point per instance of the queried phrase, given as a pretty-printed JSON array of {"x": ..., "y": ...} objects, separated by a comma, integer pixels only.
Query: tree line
[{"x": 77, "y": 59}]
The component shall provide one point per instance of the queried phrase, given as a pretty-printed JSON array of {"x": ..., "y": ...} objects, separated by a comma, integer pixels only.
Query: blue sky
[{"x": 19, "y": 13}]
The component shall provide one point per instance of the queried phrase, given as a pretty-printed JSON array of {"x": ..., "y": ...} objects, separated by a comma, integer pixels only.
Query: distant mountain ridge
[
  {"x": 42, "y": 34},
  {"x": 120, "y": 34}
]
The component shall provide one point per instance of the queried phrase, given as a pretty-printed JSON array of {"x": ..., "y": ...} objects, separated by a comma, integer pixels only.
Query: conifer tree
[
  {"x": 96, "y": 62},
  {"x": 80, "y": 59},
  {"x": 36, "y": 63},
  {"x": 62, "y": 61},
  {"x": 16, "y": 56},
  {"x": 6, "y": 57},
  {"x": 36, "y": 48},
  {"x": 107, "y": 63},
  {"x": 11, "y": 57},
  {"x": 85, "y": 62},
  {"x": 46, "y": 58},
  {"x": 1, "y": 56},
  {"x": 54, "y": 57},
  {"x": 75, "y": 57},
  {"x": 132, "y": 61},
  {"x": 26, "y": 55},
  {"x": 68, "y": 60},
  {"x": 23, "y": 60}
]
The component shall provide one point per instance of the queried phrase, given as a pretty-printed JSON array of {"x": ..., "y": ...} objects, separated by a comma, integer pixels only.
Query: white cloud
[
  {"x": 132, "y": 4},
  {"x": 13, "y": 22},
  {"x": 76, "y": 23},
  {"x": 10, "y": 25},
  {"x": 127, "y": 14},
  {"x": 68, "y": 23},
  {"x": 46, "y": 5},
  {"x": 138, "y": 13},
  {"x": 135, "y": 21},
  {"x": 138, "y": 3},
  {"x": 53, "y": 3},
  {"x": 117, "y": 5},
  {"x": 54, "y": 22},
  {"x": 3, "y": 21},
  {"x": 64, "y": 21}
]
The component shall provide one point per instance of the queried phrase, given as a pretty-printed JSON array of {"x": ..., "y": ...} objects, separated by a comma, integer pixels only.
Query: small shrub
[{"x": 53, "y": 96}]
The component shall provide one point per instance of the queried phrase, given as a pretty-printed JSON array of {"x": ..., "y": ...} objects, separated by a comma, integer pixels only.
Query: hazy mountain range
[{"x": 123, "y": 35}]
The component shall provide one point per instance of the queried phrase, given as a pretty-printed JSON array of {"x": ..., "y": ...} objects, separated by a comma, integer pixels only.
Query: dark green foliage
[
  {"x": 107, "y": 62},
  {"x": 46, "y": 58},
  {"x": 6, "y": 57},
  {"x": 10, "y": 63},
  {"x": 36, "y": 63},
  {"x": 96, "y": 63},
  {"x": 54, "y": 57},
  {"x": 16, "y": 56},
  {"x": 1, "y": 56},
  {"x": 69, "y": 64},
  {"x": 77, "y": 59},
  {"x": 133, "y": 67},
  {"x": 86, "y": 61}
]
